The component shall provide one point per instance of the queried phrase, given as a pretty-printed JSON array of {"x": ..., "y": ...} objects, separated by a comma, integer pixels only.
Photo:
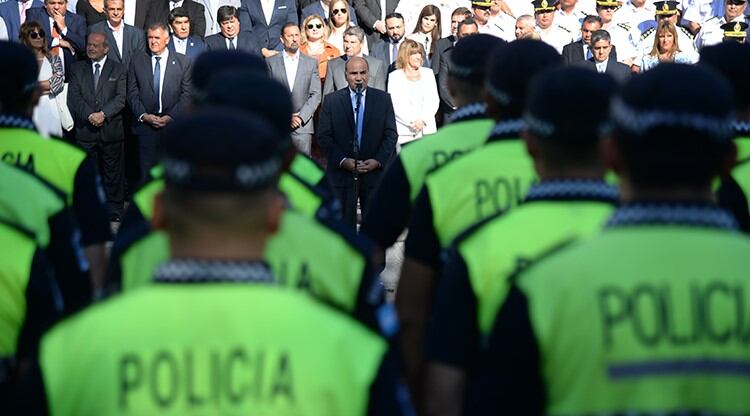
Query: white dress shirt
[
  {"x": 268, "y": 6},
  {"x": 162, "y": 69},
  {"x": 117, "y": 33},
  {"x": 129, "y": 12},
  {"x": 325, "y": 8},
  {"x": 3, "y": 30},
  {"x": 228, "y": 42},
  {"x": 101, "y": 65},
  {"x": 22, "y": 7},
  {"x": 180, "y": 45},
  {"x": 291, "y": 62},
  {"x": 601, "y": 67}
]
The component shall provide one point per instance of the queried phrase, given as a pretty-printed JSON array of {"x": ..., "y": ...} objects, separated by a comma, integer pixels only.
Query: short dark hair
[
  {"x": 599, "y": 35},
  {"x": 732, "y": 60},
  {"x": 178, "y": 12},
  {"x": 226, "y": 13},
  {"x": 592, "y": 18},
  {"x": 466, "y": 22},
  {"x": 286, "y": 25},
  {"x": 394, "y": 15},
  {"x": 462, "y": 10}
]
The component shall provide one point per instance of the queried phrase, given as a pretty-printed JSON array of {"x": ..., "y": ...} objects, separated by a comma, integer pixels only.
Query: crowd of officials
[{"x": 568, "y": 183}]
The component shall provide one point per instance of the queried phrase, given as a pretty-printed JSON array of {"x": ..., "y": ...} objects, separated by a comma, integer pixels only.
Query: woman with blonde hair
[
  {"x": 427, "y": 30},
  {"x": 666, "y": 48},
  {"x": 338, "y": 21},
  {"x": 414, "y": 93},
  {"x": 314, "y": 43}
]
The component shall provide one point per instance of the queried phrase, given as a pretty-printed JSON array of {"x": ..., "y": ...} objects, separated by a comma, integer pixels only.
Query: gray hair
[
  {"x": 526, "y": 19},
  {"x": 600, "y": 35},
  {"x": 355, "y": 31}
]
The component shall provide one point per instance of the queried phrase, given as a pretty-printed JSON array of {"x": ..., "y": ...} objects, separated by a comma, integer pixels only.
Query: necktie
[
  {"x": 231, "y": 45},
  {"x": 394, "y": 52},
  {"x": 157, "y": 84},
  {"x": 588, "y": 53},
  {"x": 97, "y": 74},
  {"x": 360, "y": 115},
  {"x": 55, "y": 51}
]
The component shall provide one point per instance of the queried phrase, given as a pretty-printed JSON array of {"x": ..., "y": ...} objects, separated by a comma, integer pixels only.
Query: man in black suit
[
  {"x": 158, "y": 92},
  {"x": 372, "y": 17},
  {"x": 265, "y": 23},
  {"x": 443, "y": 44},
  {"x": 388, "y": 51},
  {"x": 580, "y": 50},
  {"x": 124, "y": 40},
  {"x": 602, "y": 62},
  {"x": 145, "y": 13},
  {"x": 358, "y": 133},
  {"x": 196, "y": 12},
  {"x": 231, "y": 36},
  {"x": 66, "y": 31},
  {"x": 182, "y": 41},
  {"x": 96, "y": 97},
  {"x": 466, "y": 27}
]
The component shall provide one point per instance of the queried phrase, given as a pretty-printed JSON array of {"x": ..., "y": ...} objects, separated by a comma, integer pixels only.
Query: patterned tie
[
  {"x": 360, "y": 115},
  {"x": 157, "y": 83},
  {"x": 97, "y": 74}
]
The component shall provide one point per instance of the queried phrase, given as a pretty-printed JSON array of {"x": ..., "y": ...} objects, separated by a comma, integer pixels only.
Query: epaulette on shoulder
[
  {"x": 686, "y": 32},
  {"x": 564, "y": 28},
  {"x": 647, "y": 33},
  {"x": 712, "y": 18},
  {"x": 624, "y": 26}
]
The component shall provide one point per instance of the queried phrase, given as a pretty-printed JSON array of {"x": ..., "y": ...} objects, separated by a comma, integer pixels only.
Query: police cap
[
  {"x": 736, "y": 30},
  {"x": 666, "y": 8},
  {"x": 732, "y": 60},
  {"x": 512, "y": 66},
  {"x": 650, "y": 107},
  {"x": 550, "y": 116},
  {"x": 470, "y": 55},
  {"x": 210, "y": 63},
  {"x": 221, "y": 150},
  {"x": 607, "y": 3},
  {"x": 481, "y": 4},
  {"x": 18, "y": 73},
  {"x": 544, "y": 5}
]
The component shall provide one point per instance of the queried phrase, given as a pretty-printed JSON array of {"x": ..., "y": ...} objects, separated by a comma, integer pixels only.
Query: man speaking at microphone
[{"x": 358, "y": 133}]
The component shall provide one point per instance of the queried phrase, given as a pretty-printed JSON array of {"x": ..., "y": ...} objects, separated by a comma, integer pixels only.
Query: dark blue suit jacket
[
  {"x": 337, "y": 134},
  {"x": 195, "y": 46},
  {"x": 245, "y": 42},
  {"x": 76, "y": 33},
  {"x": 253, "y": 20},
  {"x": 9, "y": 13},
  {"x": 316, "y": 8}
]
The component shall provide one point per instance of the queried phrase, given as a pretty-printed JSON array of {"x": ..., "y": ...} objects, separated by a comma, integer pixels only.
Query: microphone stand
[{"x": 355, "y": 149}]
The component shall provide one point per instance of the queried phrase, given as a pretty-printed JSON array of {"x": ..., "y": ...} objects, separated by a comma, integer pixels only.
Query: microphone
[{"x": 359, "y": 89}]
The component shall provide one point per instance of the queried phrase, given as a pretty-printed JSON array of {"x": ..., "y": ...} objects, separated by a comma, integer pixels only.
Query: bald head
[{"x": 356, "y": 72}]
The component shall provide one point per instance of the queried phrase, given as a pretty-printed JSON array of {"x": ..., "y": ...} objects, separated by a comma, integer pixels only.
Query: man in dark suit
[
  {"x": 580, "y": 50},
  {"x": 358, "y": 133},
  {"x": 372, "y": 17},
  {"x": 124, "y": 40},
  {"x": 336, "y": 74},
  {"x": 158, "y": 92},
  {"x": 320, "y": 8},
  {"x": 96, "y": 97},
  {"x": 388, "y": 51},
  {"x": 11, "y": 12},
  {"x": 304, "y": 85},
  {"x": 231, "y": 36},
  {"x": 467, "y": 27},
  {"x": 182, "y": 41},
  {"x": 602, "y": 62},
  {"x": 197, "y": 14},
  {"x": 448, "y": 42},
  {"x": 146, "y": 12},
  {"x": 66, "y": 32},
  {"x": 265, "y": 22}
]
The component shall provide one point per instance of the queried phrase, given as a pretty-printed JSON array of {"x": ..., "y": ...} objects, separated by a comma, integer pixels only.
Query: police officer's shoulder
[
  {"x": 624, "y": 26},
  {"x": 473, "y": 229},
  {"x": 562, "y": 246},
  {"x": 18, "y": 228},
  {"x": 647, "y": 33},
  {"x": 358, "y": 242},
  {"x": 563, "y": 28},
  {"x": 686, "y": 32}
]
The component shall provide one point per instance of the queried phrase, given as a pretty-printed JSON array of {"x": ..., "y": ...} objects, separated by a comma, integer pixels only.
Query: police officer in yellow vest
[
  {"x": 30, "y": 202},
  {"x": 732, "y": 60},
  {"x": 214, "y": 334},
  {"x": 650, "y": 316},
  {"x": 492, "y": 178},
  {"x": 466, "y": 129},
  {"x": 570, "y": 202},
  {"x": 63, "y": 165}
]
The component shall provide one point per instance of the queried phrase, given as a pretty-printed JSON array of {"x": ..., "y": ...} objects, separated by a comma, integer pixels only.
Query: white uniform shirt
[
  {"x": 626, "y": 41},
  {"x": 555, "y": 36},
  {"x": 711, "y": 32},
  {"x": 638, "y": 18},
  {"x": 572, "y": 22},
  {"x": 699, "y": 11},
  {"x": 502, "y": 26}
]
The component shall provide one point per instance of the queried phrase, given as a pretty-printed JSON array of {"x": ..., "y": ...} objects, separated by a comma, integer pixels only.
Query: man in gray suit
[
  {"x": 124, "y": 40},
  {"x": 299, "y": 73},
  {"x": 336, "y": 74},
  {"x": 372, "y": 17}
]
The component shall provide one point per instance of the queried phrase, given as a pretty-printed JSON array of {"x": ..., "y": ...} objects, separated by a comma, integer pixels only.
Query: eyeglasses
[
  {"x": 35, "y": 35},
  {"x": 337, "y": 11},
  {"x": 316, "y": 26}
]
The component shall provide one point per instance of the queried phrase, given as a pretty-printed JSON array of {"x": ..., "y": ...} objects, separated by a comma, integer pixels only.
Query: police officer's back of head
[
  {"x": 212, "y": 63},
  {"x": 732, "y": 60},
  {"x": 18, "y": 79},
  {"x": 511, "y": 67},
  {"x": 563, "y": 138},
  {"x": 468, "y": 65},
  {"x": 221, "y": 168},
  {"x": 668, "y": 138}
]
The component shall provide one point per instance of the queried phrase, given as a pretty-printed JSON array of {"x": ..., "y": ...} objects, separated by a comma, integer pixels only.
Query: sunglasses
[
  {"x": 35, "y": 35},
  {"x": 316, "y": 26},
  {"x": 337, "y": 11}
]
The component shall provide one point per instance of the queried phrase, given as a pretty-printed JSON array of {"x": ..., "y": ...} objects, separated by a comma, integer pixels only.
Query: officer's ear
[{"x": 159, "y": 220}]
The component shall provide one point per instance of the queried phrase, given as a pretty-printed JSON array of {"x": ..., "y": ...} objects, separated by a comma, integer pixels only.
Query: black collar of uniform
[
  {"x": 213, "y": 271},
  {"x": 468, "y": 112},
  {"x": 741, "y": 128},
  {"x": 572, "y": 190},
  {"x": 685, "y": 214},
  {"x": 507, "y": 129},
  {"x": 16, "y": 121}
]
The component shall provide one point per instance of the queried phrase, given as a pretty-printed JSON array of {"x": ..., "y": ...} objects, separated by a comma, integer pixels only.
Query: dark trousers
[
  {"x": 348, "y": 195},
  {"x": 149, "y": 152},
  {"x": 110, "y": 162}
]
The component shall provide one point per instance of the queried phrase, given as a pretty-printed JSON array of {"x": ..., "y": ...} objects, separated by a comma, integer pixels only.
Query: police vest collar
[
  {"x": 467, "y": 112},
  {"x": 507, "y": 129},
  {"x": 678, "y": 214},
  {"x": 202, "y": 271},
  {"x": 572, "y": 190},
  {"x": 741, "y": 128},
  {"x": 16, "y": 121}
]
